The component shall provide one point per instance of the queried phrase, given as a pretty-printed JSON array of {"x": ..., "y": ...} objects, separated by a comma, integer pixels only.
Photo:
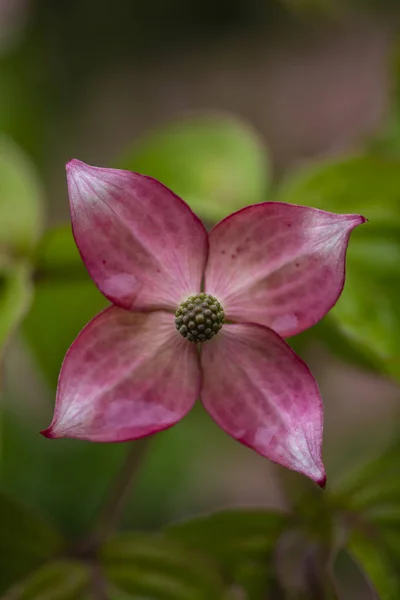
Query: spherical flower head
[
  {"x": 199, "y": 318},
  {"x": 198, "y": 315}
]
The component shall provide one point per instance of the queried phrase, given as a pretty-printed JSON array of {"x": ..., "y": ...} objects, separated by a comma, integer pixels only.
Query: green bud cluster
[{"x": 199, "y": 318}]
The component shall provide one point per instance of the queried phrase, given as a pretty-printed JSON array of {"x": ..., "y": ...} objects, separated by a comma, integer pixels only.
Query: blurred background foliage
[{"x": 228, "y": 103}]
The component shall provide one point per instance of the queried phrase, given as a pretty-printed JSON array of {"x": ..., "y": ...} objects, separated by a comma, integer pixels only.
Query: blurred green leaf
[
  {"x": 311, "y": 507},
  {"x": 367, "y": 313},
  {"x": 115, "y": 594},
  {"x": 15, "y": 298},
  {"x": 65, "y": 300},
  {"x": 339, "y": 344},
  {"x": 313, "y": 7},
  {"x": 373, "y": 491},
  {"x": 159, "y": 568},
  {"x": 27, "y": 99},
  {"x": 231, "y": 534},
  {"x": 80, "y": 472},
  {"x": 21, "y": 210},
  {"x": 369, "y": 499},
  {"x": 349, "y": 578},
  {"x": 167, "y": 472},
  {"x": 57, "y": 256},
  {"x": 215, "y": 162},
  {"x": 59, "y": 311},
  {"x": 380, "y": 567},
  {"x": 242, "y": 541},
  {"x": 57, "y": 581},
  {"x": 26, "y": 541}
]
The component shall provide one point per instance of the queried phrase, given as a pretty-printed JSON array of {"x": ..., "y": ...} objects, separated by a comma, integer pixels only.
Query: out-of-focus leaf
[
  {"x": 168, "y": 473},
  {"x": 370, "y": 500},
  {"x": 57, "y": 256},
  {"x": 115, "y": 594},
  {"x": 15, "y": 298},
  {"x": 65, "y": 300},
  {"x": 57, "y": 581},
  {"x": 311, "y": 506},
  {"x": 367, "y": 313},
  {"x": 349, "y": 578},
  {"x": 67, "y": 473},
  {"x": 26, "y": 541},
  {"x": 242, "y": 541},
  {"x": 215, "y": 162},
  {"x": 59, "y": 311},
  {"x": 28, "y": 99},
  {"x": 81, "y": 473},
  {"x": 160, "y": 568},
  {"x": 313, "y": 7},
  {"x": 231, "y": 534},
  {"x": 382, "y": 569},
  {"x": 20, "y": 200},
  {"x": 340, "y": 344},
  {"x": 374, "y": 490}
]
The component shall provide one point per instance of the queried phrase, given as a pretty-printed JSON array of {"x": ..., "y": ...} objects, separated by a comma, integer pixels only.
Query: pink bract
[{"x": 276, "y": 269}]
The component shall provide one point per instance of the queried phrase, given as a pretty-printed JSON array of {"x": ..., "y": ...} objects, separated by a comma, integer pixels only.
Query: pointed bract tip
[
  {"x": 322, "y": 482},
  {"x": 73, "y": 164},
  {"x": 47, "y": 433},
  {"x": 356, "y": 220}
]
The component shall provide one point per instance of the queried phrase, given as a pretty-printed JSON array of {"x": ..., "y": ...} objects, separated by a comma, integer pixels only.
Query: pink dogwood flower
[{"x": 198, "y": 315}]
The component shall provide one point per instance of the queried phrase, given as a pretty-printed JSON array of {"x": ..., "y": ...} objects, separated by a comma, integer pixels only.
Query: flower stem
[{"x": 113, "y": 507}]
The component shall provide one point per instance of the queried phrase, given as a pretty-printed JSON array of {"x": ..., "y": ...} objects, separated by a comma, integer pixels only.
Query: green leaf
[
  {"x": 367, "y": 313},
  {"x": 21, "y": 211},
  {"x": 231, "y": 534},
  {"x": 20, "y": 224},
  {"x": 57, "y": 256},
  {"x": 380, "y": 567},
  {"x": 160, "y": 568},
  {"x": 242, "y": 541},
  {"x": 15, "y": 298},
  {"x": 369, "y": 499},
  {"x": 59, "y": 311},
  {"x": 349, "y": 578},
  {"x": 80, "y": 472},
  {"x": 115, "y": 594},
  {"x": 27, "y": 98},
  {"x": 215, "y": 162},
  {"x": 373, "y": 490},
  {"x": 26, "y": 541},
  {"x": 57, "y": 581},
  {"x": 65, "y": 300},
  {"x": 313, "y": 7}
]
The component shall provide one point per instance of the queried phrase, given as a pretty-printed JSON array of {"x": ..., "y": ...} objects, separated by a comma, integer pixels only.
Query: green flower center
[{"x": 199, "y": 318}]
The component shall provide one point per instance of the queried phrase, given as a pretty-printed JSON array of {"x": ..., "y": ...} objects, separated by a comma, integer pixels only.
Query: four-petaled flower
[{"x": 197, "y": 315}]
